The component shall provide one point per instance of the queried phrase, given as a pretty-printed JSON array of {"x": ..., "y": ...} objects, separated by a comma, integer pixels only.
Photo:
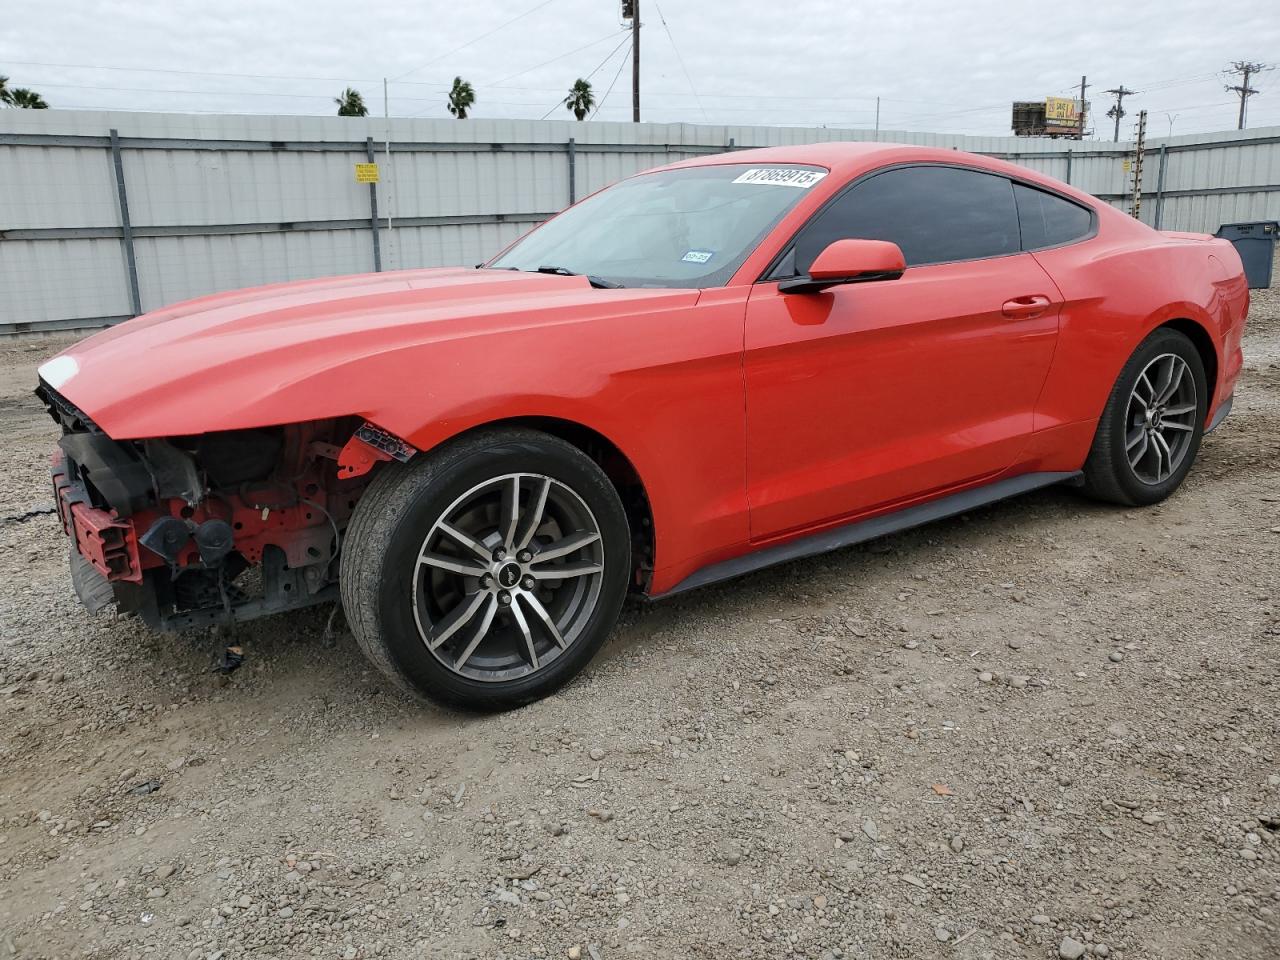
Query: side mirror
[{"x": 849, "y": 261}]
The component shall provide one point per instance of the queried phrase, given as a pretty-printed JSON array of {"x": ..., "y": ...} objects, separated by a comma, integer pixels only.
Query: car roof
[{"x": 847, "y": 159}]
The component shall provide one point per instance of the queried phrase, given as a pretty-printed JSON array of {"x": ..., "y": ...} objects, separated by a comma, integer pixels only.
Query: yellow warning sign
[{"x": 366, "y": 173}]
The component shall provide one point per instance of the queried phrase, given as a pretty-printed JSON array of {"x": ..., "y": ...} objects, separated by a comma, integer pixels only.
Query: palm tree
[
  {"x": 580, "y": 100},
  {"x": 4, "y": 89},
  {"x": 461, "y": 98},
  {"x": 351, "y": 104},
  {"x": 26, "y": 99}
]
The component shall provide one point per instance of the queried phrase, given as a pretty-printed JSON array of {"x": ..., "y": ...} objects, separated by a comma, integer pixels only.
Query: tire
[
  {"x": 1145, "y": 445},
  {"x": 414, "y": 592}
]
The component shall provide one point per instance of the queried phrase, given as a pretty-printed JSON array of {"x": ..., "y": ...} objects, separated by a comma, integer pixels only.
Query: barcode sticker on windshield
[{"x": 782, "y": 177}]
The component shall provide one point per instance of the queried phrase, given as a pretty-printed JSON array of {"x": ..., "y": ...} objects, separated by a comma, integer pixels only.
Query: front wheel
[
  {"x": 1151, "y": 427},
  {"x": 487, "y": 574}
]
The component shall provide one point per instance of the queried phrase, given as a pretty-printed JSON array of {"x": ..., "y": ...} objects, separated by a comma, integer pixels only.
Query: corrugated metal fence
[{"x": 105, "y": 215}]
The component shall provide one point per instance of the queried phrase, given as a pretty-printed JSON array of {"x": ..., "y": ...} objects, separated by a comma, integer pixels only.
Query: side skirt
[
  {"x": 861, "y": 531},
  {"x": 1221, "y": 415}
]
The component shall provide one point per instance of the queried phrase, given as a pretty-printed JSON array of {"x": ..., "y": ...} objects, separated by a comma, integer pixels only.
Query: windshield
[{"x": 691, "y": 227}]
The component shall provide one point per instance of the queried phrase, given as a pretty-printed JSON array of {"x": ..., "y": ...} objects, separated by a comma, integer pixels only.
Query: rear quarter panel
[{"x": 1117, "y": 288}]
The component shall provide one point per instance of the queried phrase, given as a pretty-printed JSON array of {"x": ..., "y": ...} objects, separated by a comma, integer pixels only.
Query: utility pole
[
  {"x": 1118, "y": 110},
  {"x": 635, "y": 61},
  {"x": 1083, "y": 87},
  {"x": 1242, "y": 89}
]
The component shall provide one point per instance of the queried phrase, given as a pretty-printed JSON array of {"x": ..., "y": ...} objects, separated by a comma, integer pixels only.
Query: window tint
[
  {"x": 1048, "y": 220},
  {"x": 935, "y": 214}
]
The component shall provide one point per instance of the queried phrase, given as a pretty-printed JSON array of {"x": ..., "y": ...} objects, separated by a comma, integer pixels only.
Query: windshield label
[
  {"x": 698, "y": 256},
  {"x": 782, "y": 177}
]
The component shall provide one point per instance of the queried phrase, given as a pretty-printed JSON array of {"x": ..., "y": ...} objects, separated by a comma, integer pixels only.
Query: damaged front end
[{"x": 211, "y": 528}]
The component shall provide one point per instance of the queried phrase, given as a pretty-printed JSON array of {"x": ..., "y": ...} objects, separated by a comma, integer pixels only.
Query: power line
[
  {"x": 703, "y": 96},
  {"x": 680, "y": 60},
  {"x": 843, "y": 108},
  {"x": 608, "y": 36},
  {"x": 600, "y": 105},
  {"x": 587, "y": 46},
  {"x": 1153, "y": 84},
  {"x": 249, "y": 93},
  {"x": 803, "y": 97},
  {"x": 483, "y": 36},
  {"x": 206, "y": 92},
  {"x": 192, "y": 73},
  {"x": 196, "y": 93},
  {"x": 919, "y": 117},
  {"x": 1187, "y": 108},
  {"x": 1157, "y": 85},
  {"x": 596, "y": 70},
  {"x": 599, "y": 66},
  {"x": 1169, "y": 84}
]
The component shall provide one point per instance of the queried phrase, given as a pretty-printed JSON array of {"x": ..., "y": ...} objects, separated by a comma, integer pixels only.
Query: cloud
[{"x": 935, "y": 65}]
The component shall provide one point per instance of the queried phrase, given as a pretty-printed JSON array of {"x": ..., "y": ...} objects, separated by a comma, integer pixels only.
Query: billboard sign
[{"x": 1060, "y": 110}]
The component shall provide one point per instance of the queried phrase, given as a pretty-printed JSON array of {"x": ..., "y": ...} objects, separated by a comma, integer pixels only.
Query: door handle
[{"x": 1025, "y": 308}]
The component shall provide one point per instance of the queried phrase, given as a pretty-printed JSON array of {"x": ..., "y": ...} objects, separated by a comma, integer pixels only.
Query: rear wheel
[
  {"x": 487, "y": 574},
  {"x": 1151, "y": 428}
]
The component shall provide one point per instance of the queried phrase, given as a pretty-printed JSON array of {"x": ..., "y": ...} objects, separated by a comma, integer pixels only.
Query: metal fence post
[
  {"x": 126, "y": 229},
  {"x": 373, "y": 211},
  {"x": 1067, "y": 178},
  {"x": 1159, "y": 211},
  {"x": 573, "y": 178}
]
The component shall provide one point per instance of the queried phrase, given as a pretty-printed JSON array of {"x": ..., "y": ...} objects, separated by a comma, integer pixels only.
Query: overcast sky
[{"x": 938, "y": 65}]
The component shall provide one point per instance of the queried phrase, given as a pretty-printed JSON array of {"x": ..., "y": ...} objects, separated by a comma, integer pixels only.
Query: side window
[
  {"x": 1048, "y": 220},
  {"x": 935, "y": 214}
]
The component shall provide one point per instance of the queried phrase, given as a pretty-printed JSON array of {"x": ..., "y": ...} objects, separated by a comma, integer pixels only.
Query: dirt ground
[{"x": 1045, "y": 726}]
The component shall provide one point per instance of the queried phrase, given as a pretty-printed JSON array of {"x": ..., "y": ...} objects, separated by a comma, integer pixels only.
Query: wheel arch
[
  {"x": 617, "y": 466},
  {"x": 1201, "y": 339}
]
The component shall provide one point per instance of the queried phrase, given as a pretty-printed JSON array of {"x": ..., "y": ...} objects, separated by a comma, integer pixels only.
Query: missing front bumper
[{"x": 107, "y": 569}]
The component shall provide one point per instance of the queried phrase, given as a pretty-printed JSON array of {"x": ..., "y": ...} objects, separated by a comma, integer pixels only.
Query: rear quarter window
[{"x": 1048, "y": 220}]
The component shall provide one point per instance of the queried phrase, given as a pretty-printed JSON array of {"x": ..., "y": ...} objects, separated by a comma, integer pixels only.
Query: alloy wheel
[
  {"x": 508, "y": 577},
  {"x": 1160, "y": 420}
]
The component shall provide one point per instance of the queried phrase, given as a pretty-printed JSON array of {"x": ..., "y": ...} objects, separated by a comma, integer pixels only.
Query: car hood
[{"x": 309, "y": 350}]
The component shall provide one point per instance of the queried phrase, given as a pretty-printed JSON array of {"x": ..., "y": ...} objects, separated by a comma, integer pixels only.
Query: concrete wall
[{"x": 218, "y": 202}]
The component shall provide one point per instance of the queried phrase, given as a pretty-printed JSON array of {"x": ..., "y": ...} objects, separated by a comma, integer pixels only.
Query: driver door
[{"x": 870, "y": 395}]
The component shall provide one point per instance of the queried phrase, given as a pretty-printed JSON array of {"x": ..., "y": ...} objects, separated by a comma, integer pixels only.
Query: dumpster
[{"x": 1256, "y": 244}]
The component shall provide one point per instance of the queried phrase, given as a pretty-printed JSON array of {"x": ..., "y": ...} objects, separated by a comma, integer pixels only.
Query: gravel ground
[{"x": 1049, "y": 728}]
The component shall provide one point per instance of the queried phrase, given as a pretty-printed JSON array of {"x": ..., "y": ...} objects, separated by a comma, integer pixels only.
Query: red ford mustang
[{"x": 697, "y": 372}]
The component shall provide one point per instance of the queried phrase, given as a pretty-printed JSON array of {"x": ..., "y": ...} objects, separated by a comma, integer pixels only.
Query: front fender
[{"x": 665, "y": 390}]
